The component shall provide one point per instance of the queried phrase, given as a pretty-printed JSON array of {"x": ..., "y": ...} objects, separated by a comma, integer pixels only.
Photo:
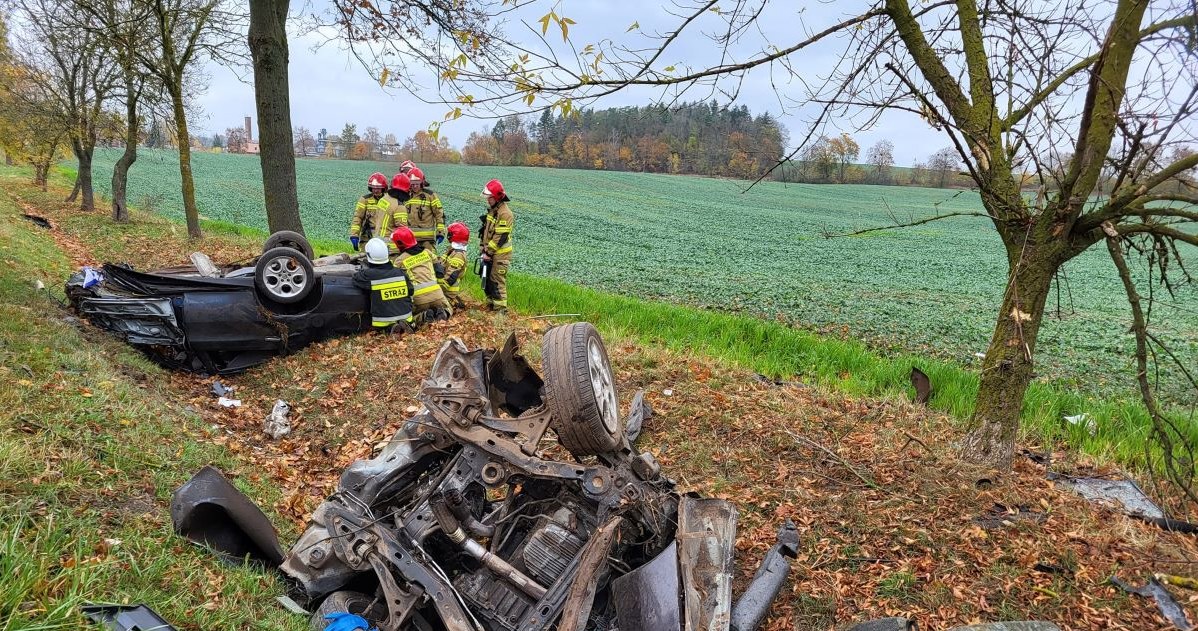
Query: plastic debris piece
[
  {"x": 125, "y": 617},
  {"x": 291, "y": 605},
  {"x": 1084, "y": 421},
  {"x": 220, "y": 389},
  {"x": 1124, "y": 494},
  {"x": 229, "y": 403},
  {"x": 1164, "y": 601},
  {"x": 668, "y": 392},
  {"x": 277, "y": 423}
]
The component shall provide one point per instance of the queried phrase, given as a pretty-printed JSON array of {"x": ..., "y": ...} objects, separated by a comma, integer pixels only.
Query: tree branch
[{"x": 919, "y": 222}]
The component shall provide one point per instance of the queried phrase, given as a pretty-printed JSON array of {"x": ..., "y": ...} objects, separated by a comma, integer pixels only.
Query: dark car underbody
[{"x": 216, "y": 325}]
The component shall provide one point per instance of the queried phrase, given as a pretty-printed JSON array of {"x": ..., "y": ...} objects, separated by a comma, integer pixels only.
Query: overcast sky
[{"x": 329, "y": 87}]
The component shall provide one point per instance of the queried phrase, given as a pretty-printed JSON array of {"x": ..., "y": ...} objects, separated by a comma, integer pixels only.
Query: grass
[
  {"x": 73, "y": 473},
  {"x": 933, "y": 290},
  {"x": 783, "y": 352},
  {"x": 92, "y": 444}
]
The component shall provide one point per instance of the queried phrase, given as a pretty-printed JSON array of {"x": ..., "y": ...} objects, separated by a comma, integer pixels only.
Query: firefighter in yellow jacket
[
  {"x": 426, "y": 216},
  {"x": 454, "y": 264},
  {"x": 375, "y": 215},
  {"x": 428, "y": 301},
  {"x": 496, "y": 242}
]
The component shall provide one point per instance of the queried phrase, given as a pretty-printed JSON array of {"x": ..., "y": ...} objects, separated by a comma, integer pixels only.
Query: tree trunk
[
  {"x": 86, "y": 187},
  {"x": 188, "y": 182},
  {"x": 120, "y": 172},
  {"x": 41, "y": 173},
  {"x": 74, "y": 191},
  {"x": 1007, "y": 368},
  {"x": 268, "y": 45}
]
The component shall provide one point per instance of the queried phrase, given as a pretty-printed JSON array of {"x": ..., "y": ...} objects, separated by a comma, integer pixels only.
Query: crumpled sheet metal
[
  {"x": 210, "y": 511},
  {"x": 1123, "y": 493},
  {"x": 1164, "y": 601},
  {"x": 125, "y": 617}
]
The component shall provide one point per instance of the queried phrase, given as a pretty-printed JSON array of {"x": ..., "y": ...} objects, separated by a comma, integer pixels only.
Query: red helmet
[
  {"x": 416, "y": 175},
  {"x": 403, "y": 237},
  {"x": 494, "y": 188},
  {"x": 406, "y": 165},
  {"x": 401, "y": 182},
  {"x": 459, "y": 233},
  {"x": 376, "y": 180}
]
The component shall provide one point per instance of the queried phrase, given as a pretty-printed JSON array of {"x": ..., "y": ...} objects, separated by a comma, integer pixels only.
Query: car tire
[
  {"x": 347, "y": 601},
  {"x": 289, "y": 239},
  {"x": 580, "y": 390},
  {"x": 283, "y": 275}
]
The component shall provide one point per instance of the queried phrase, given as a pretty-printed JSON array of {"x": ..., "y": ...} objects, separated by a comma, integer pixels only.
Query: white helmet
[{"x": 376, "y": 251}]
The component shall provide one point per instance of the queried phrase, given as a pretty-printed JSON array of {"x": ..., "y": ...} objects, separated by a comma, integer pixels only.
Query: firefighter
[
  {"x": 496, "y": 244},
  {"x": 426, "y": 217},
  {"x": 406, "y": 166},
  {"x": 373, "y": 214},
  {"x": 428, "y": 301},
  {"x": 454, "y": 264},
  {"x": 390, "y": 290}
]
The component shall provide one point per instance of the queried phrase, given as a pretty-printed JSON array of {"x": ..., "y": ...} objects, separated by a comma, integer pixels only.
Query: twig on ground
[{"x": 912, "y": 439}]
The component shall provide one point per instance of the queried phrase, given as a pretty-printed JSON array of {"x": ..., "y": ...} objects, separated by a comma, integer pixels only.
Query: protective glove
[
  {"x": 440, "y": 238},
  {"x": 344, "y": 621},
  {"x": 354, "y": 242}
]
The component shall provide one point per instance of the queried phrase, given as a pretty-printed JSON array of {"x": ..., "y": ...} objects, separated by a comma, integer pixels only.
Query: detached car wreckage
[
  {"x": 221, "y": 320},
  {"x": 463, "y": 522}
]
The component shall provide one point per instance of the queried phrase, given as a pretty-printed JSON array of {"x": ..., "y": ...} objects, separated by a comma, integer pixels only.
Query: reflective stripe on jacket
[
  {"x": 390, "y": 293},
  {"x": 426, "y": 216},
  {"x": 497, "y": 232},
  {"x": 419, "y": 267},
  {"x": 376, "y": 218},
  {"x": 454, "y": 263}
]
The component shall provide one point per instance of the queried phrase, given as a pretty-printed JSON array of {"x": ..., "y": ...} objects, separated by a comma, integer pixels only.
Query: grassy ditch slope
[
  {"x": 93, "y": 439},
  {"x": 932, "y": 290},
  {"x": 91, "y": 445}
]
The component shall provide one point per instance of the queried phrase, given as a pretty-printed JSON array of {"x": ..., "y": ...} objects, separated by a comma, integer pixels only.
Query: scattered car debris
[
  {"x": 668, "y": 392},
  {"x": 221, "y": 320},
  {"x": 208, "y": 510},
  {"x": 922, "y": 384},
  {"x": 1124, "y": 494},
  {"x": 38, "y": 221},
  {"x": 1164, "y": 601},
  {"x": 277, "y": 423},
  {"x": 39, "y": 285},
  {"x": 462, "y": 521},
  {"x": 219, "y": 389},
  {"x": 1083, "y": 421},
  {"x": 125, "y": 617},
  {"x": 226, "y": 402},
  {"x": 289, "y": 604}
]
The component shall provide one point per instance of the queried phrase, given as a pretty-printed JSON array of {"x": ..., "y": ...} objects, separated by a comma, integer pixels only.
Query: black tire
[
  {"x": 353, "y": 602},
  {"x": 289, "y": 239},
  {"x": 284, "y": 276},
  {"x": 580, "y": 390}
]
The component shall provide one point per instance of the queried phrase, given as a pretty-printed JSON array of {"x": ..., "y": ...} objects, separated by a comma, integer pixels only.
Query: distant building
[{"x": 251, "y": 145}]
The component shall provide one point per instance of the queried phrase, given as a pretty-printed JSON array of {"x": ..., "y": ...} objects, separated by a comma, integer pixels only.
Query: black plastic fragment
[
  {"x": 210, "y": 511},
  {"x": 125, "y": 617}
]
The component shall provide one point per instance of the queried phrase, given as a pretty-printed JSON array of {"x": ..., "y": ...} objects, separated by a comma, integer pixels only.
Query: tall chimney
[{"x": 249, "y": 132}]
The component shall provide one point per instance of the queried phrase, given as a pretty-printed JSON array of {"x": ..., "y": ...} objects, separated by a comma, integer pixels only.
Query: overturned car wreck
[
  {"x": 223, "y": 320},
  {"x": 465, "y": 522}
]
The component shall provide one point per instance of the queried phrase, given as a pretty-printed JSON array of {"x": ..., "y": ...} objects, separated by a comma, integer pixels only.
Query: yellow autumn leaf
[{"x": 635, "y": 26}]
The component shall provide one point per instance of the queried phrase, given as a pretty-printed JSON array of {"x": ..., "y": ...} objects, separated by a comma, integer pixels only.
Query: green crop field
[{"x": 933, "y": 289}]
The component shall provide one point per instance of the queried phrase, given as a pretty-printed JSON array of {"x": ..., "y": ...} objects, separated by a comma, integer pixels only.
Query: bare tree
[
  {"x": 881, "y": 158},
  {"x": 268, "y": 46},
  {"x": 235, "y": 140},
  {"x": 304, "y": 142},
  {"x": 124, "y": 27},
  {"x": 944, "y": 164},
  {"x": 187, "y": 32},
  {"x": 83, "y": 76},
  {"x": 1005, "y": 85}
]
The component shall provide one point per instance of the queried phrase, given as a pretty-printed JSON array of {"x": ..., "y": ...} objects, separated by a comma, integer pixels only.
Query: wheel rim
[
  {"x": 283, "y": 277},
  {"x": 603, "y": 386}
]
